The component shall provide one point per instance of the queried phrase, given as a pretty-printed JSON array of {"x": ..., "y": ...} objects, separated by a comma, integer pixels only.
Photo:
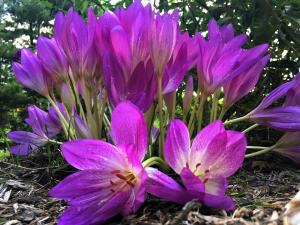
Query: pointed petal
[
  {"x": 163, "y": 186},
  {"x": 177, "y": 145},
  {"x": 203, "y": 140},
  {"x": 94, "y": 213},
  {"x": 93, "y": 154},
  {"x": 128, "y": 127},
  {"x": 24, "y": 137},
  {"x": 233, "y": 155},
  {"x": 191, "y": 181}
]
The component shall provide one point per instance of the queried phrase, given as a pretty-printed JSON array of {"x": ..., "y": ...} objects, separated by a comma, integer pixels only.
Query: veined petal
[
  {"x": 274, "y": 96},
  {"x": 203, "y": 139},
  {"x": 82, "y": 183},
  {"x": 128, "y": 127},
  {"x": 232, "y": 156},
  {"x": 24, "y": 137},
  {"x": 94, "y": 213},
  {"x": 177, "y": 145},
  {"x": 88, "y": 154},
  {"x": 216, "y": 185},
  {"x": 163, "y": 186}
]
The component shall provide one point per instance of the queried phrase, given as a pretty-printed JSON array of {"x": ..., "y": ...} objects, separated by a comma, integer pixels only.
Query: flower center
[{"x": 124, "y": 179}]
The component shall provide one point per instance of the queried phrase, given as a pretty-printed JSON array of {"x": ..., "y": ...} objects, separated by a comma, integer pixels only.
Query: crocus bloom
[
  {"x": 214, "y": 155},
  {"x": 52, "y": 58},
  {"x": 111, "y": 178},
  {"x": 76, "y": 39},
  {"x": 243, "y": 83},
  {"x": 44, "y": 126},
  {"x": 283, "y": 118},
  {"x": 218, "y": 58},
  {"x": 163, "y": 36},
  {"x": 31, "y": 74},
  {"x": 122, "y": 39}
]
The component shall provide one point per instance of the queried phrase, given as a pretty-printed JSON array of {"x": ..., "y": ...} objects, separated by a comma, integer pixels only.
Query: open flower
[
  {"x": 44, "y": 126},
  {"x": 111, "y": 177},
  {"x": 214, "y": 155}
]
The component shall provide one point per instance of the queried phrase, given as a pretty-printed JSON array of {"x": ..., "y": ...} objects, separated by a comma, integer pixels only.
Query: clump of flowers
[{"x": 112, "y": 83}]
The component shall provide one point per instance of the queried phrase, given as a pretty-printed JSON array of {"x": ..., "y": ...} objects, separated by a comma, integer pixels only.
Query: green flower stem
[
  {"x": 214, "y": 108},
  {"x": 160, "y": 114},
  {"x": 263, "y": 151},
  {"x": 200, "y": 110},
  {"x": 191, "y": 120},
  {"x": 156, "y": 161},
  {"x": 55, "y": 142},
  {"x": 256, "y": 147},
  {"x": 64, "y": 123},
  {"x": 222, "y": 113},
  {"x": 229, "y": 122},
  {"x": 173, "y": 106},
  {"x": 250, "y": 128}
]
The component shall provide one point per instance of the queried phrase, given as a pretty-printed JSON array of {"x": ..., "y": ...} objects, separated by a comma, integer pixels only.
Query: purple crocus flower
[
  {"x": 31, "y": 74},
  {"x": 122, "y": 39},
  {"x": 76, "y": 39},
  {"x": 214, "y": 155},
  {"x": 111, "y": 177},
  {"x": 284, "y": 118},
  {"x": 163, "y": 36},
  {"x": 243, "y": 83},
  {"x": 44, "y": 126},
  {"x": 218, "y": 57},
  {"x": 52, "y": 58}
]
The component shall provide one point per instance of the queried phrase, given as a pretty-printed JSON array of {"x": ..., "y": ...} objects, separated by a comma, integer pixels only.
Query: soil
[{"x": 261, "y": 190}]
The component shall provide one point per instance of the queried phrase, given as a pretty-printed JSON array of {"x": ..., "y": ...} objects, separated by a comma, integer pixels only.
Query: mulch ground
[{"x": 261, "y": 189}]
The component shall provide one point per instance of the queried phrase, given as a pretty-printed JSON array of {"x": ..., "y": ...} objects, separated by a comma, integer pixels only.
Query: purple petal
[
  {"x": 128, "y": 127},
  {"x": 121, "y": 47},
  {"x": 24, "y": 137},
  {"x": 203, "y": 140},
  {"x": 52, "y": 57},
  {"x": 232, "y": 156},
  {"x": 216, "y": 185},
  {"x": 242, "y": 84},
  {"x": 274, "y": 96},
  {"x": 82, "y": 183},
  {"x": 95, "y": 213},
  {"x": 219, "y": 201},
  {"x": 82, "y": 130},
  {"x": 93, "y": 154},
  {"x": 163, "y": 186},
  {"x": 23, "y": 149},
  {"x": 285, "y": 118},
  {"x": 177, "y": 145},
  {"x": 191, "y": 181}
]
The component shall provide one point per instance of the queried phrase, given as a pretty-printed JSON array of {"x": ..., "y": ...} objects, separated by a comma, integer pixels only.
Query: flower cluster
[{"x": 112, "y": 82}]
